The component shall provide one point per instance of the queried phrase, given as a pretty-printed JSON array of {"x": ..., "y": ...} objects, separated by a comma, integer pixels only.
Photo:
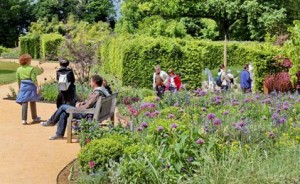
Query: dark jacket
[{"x": 69, "y": 96}]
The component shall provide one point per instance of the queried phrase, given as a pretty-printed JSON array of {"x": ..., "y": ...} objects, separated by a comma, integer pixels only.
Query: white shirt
[{"x": 164, "y": 77}]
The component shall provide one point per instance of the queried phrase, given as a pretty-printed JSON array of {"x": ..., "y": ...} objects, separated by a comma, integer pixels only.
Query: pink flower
[
  {"x": 92, "y": 164},
  {"x": 200, "y": 141}
]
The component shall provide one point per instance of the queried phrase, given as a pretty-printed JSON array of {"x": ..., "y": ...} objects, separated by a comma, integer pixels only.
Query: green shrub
[
  {"x": 49, "y": 91},
  {"x": 100, "y": 152},
  {"x": 49, "y": 46},
  {"x": 30, "y": 44},
  {"x": 3, "y": 49},
  {"x": 132, "y": 58},
  {"x": 13, "y": 53}
]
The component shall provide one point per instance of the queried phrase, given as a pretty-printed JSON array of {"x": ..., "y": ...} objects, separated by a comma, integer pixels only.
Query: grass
[{"x": 8, "y": 72}]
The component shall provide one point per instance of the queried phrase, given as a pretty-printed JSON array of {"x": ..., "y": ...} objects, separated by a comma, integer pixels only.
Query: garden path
[{"x": 26, "y": 154}]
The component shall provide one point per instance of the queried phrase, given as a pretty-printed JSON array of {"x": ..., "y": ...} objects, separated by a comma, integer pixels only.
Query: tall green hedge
[
  {"x": 30, "y": 44},
  {"x": 133, "y": 58},
  {"x": 49, "y": 46}
]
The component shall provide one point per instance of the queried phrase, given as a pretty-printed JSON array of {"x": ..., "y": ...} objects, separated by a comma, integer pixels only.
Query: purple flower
[
  {"x": 257, "y": 96},
  {"x": 217, "y": 122},
  {"x": 211, "y": 116},
  {"x": 202, "y": 93},
  {"x": 176, "y": 104},
  {"x": 139, "y": 129},
  {"x": 171, "y": 116},
  {"x": 275, "y": 116},
  {"x": 157, "y": 99},
  {"x": 152, "y": 105},
  {"x": 160, "y": 128},
  {"x": 285, "y": 107},
  {"x": 200, "y": 141},
  {"x": 246, "y": 100},
  {"x": 282, "y": 120},
  {"x": 148, "y": 113},
  {"x": 174, "y": 126},
  {"x": 144, "y": 125},
  {"x": 226, "y": 113},
  {"x": 204, "y": 109},
  {"x": 91, "y": 164},
  {"x": 218, "y": 101}
]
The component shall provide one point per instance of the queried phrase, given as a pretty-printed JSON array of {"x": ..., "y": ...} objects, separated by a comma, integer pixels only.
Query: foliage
[
  {"x": 91, "y": 10},
  {"x": 2, "y": 49},
  {"x": 224, "y": 135},
  {"x": 239, "y": 20},
  {"x": 50, "y": 46},
  {"x": 49, "y": 91},
  {"x": 81, "y": 55},
  {"x": 15, "y": 18},
  {"x": 30, "y": 44},
  {"x": 132, "y": 58},
  {"x": 99, "y": 152},
  {"x": 292, "y": 50},
  {"x": 11, "y": 53}
]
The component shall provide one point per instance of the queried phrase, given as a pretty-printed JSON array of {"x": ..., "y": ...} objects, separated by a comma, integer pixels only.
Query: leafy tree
[
  {"x": 15, "y": 17},
  {"x": 55, "y": 8},
  {"x": 254, "y": 17}
]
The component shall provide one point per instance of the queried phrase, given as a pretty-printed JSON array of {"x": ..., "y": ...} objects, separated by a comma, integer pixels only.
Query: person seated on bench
[{"x": 60, "y": 116}]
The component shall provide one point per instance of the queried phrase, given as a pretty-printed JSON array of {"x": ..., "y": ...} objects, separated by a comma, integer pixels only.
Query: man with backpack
[
  {"x": 67, "y": 89},
  {"x": 60, "y": 116},
  {"x": 223, "y": 80}
]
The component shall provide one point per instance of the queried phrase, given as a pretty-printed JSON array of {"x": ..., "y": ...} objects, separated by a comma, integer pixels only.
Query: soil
[
  {"x": 26, "y": 154},
  {"x": 64, "y": 175}
]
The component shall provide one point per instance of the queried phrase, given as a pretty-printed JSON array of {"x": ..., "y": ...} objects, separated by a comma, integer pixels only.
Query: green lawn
[{"x": 8, "y": 72}]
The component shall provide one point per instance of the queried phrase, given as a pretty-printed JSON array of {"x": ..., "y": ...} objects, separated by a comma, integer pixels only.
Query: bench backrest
[{"x": 105, "y": 107}]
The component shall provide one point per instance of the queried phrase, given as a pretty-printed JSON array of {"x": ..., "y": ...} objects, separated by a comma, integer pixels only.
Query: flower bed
[{"x": 198, "y": 138}]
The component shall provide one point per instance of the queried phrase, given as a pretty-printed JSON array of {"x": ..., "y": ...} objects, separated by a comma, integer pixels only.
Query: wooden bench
[{"x": 105, "y": 109}]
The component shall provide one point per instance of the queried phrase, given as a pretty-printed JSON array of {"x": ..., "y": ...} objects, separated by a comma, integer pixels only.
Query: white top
[
  {"x": 224, "y": 78},
  {"x": 164, "y": 77}
]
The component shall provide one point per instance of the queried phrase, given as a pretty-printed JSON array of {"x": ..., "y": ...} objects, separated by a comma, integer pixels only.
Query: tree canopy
[{"x": 238, "y": 19}]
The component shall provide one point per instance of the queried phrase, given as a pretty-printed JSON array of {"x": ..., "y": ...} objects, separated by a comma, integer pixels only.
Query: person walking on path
[
  {"x": 224, "y": 78},
  {"x": 174, "y": 81},
  {"x": 65, "y": 77},
  {"x": 28, "y": 88},
  {"x": 60, "y": 116},
  {"x": 246, "y": 80},
  {"x": 164, "y": 76}
]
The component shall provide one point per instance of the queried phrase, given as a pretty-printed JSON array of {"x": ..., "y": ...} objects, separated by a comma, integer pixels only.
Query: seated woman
[
  {"x": 174, "y": 81},
  {"x": 61, "y": 116}
]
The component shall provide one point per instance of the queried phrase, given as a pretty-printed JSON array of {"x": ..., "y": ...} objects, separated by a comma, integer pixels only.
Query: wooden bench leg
[
  {"x": 112, "y": 118},
  {"x": 69, "y": 129}
]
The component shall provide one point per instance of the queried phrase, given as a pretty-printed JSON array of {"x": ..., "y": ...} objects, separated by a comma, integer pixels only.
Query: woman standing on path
[{"x": 28, "y": 88}]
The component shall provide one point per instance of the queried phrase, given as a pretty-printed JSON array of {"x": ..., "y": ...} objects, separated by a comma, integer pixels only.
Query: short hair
[
  {"x": 25, "y": 59},
  {"x": 64, "y": 63},
  {"x": 157, "y": 67},
  {"x": 246, "y": 66},
  {"x": 97, "y": 79},
  {"x": 172, "y": 71}
]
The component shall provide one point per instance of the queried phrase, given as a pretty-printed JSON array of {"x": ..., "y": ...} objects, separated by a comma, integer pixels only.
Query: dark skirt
[{"x": 28, "y": 92}]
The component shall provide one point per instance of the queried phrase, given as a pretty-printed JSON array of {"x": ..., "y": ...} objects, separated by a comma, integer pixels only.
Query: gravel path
[{"x": 26, "y": 154}]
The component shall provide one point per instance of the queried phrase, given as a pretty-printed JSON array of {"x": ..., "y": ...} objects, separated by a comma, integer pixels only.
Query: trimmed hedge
[
  {"x": 49, "y": 46},
  {"x": 30, "y": 44},
  {"x": 133, "y": 58}
]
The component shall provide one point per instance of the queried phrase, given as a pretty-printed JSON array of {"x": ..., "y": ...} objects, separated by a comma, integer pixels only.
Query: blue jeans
[{"x": 61, "y": 117}]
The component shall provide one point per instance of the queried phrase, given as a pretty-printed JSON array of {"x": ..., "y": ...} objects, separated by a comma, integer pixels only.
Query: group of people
[
  {"x": 163, "y": 81},
  {"x": 29, "y": 93},
  {"x": 226, "y": 79}
]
